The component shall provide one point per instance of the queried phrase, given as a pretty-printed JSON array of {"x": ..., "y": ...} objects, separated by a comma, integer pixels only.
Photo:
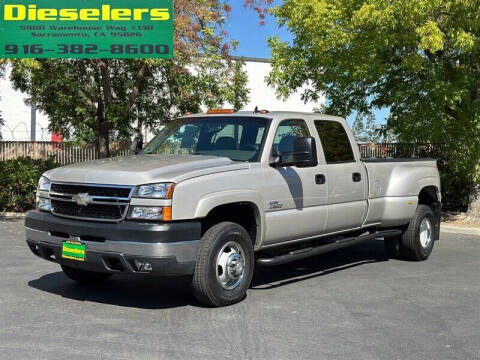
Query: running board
[{"x": 320, "y": 249}]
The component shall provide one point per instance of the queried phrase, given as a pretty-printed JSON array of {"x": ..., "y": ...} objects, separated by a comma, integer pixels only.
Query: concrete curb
[
  {"x": 454, "y": 229},
  {"x": 11, "y": 215}
]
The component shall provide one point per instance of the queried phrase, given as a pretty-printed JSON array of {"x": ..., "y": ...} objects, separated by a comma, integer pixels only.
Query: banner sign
[{"x": 86, "y": 29}]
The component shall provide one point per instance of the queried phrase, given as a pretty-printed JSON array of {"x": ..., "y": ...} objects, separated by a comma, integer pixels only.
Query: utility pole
[{"x": 33, "y": 122}]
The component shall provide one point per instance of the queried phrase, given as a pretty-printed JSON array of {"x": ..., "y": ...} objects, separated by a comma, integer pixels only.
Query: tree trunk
[
  {"x": 103, "y": 135},
  {"x": 474, "y": 203},
  {"x": 102, "y": 147}
]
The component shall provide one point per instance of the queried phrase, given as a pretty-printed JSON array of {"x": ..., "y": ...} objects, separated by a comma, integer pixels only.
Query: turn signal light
[
  {"x": 167, "y": 213},
  {"x": 220, "y": 111}
]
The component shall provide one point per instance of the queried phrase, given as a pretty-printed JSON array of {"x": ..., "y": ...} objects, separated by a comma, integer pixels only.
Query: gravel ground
[
  {"x": 353, "y": 303},
  {"x": 461, "y": 220}
]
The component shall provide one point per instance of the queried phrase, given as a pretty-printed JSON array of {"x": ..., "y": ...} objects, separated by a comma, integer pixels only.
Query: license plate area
[{"x": 74, "y": 250}]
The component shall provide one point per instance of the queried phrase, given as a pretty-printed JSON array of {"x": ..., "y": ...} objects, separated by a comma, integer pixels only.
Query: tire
[
  {"x": 418, "y": 240},
  {"x": 393, "y": 246},
  {"x": 84, "y": 276},
  {"x": 224, "y": 265}
]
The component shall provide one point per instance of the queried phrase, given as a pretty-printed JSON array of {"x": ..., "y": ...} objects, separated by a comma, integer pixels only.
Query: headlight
[
  {"x": 162, "y": 213},
  {"x": 155, "y": 191},
  {"x": 44, "y": 184}
]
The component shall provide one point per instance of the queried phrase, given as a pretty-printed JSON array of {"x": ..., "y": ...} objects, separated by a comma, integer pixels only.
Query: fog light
[
  {"x": 146, "y": 213},
  {"x": 143, "y": 265},
  {"x": 44, "y": 204}
]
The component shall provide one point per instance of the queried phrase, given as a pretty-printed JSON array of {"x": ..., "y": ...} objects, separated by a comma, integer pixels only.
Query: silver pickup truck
[{"x": 214, "y": 194}]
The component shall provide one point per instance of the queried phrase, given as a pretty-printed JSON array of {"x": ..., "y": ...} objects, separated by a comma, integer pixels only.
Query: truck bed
[
  {"x": 394, "y": 185},
  {"x": 381, "y": 160}
]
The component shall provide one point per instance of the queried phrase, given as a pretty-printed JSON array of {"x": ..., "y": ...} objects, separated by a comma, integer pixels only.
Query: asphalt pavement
[{"x": 353, "y": 303}]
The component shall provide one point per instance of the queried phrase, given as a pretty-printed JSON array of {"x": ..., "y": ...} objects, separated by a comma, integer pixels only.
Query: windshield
[{"x": 237, "y": 138}]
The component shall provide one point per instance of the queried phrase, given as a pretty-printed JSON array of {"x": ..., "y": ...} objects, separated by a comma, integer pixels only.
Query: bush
[{"x": 18, "y": 182}]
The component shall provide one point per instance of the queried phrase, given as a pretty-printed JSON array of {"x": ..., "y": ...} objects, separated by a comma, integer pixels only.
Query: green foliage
[
  {"x": 237, "y": 93},
  {"x": 420, "y": 58},
  {"x": 366, "y": 130},
  {"x": 2, "y": 69},
  {"x": 18, "y": 182},
  {"x": 101, "y": 100}
]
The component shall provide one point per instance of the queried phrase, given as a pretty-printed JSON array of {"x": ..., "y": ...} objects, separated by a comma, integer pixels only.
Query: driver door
[{"x": 295, "y": 198}]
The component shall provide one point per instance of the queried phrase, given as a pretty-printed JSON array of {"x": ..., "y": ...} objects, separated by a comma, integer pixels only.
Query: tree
[
  {"x": 474, "y": 205},
  {"x": 237, "y": 93},
  {"x": 103, "y": 99},
  {"x": 2, "y": 70},
  {"x": 420, "y": 58},
  {"x": 260, "y": 7},
  {"x": 366, "y": 131}
]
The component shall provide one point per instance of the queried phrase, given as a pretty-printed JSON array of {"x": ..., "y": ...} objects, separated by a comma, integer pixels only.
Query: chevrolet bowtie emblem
[{"x": 82, "y": 199}]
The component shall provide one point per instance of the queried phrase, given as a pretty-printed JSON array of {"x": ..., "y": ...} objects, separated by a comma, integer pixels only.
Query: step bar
[{"x": 320, "y": 249}]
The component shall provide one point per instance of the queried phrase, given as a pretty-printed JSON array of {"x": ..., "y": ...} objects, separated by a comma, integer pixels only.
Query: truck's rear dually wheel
[
  {"x": 417, "y": 241},
  {"x": 224, "y": 266}
]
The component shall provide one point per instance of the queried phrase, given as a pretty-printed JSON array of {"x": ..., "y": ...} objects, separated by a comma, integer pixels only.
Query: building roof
[{"x": 252, "y": 59}]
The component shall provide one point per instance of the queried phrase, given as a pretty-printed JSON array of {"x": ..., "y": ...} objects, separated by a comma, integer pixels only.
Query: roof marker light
[
  {"x": 220, "y": 111},
  {"x": 257, "y": 111}
]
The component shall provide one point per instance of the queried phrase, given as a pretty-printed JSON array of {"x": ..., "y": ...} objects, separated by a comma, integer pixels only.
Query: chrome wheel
[
  {"x": 230, "y": 265},
  {"x": 426, "y": 232}
]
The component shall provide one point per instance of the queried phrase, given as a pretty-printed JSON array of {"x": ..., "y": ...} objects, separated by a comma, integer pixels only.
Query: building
[
  {"x": 17, "y": 116},
  {"x": 264, "y": 97},
  {"x": 20, "y": 118}
]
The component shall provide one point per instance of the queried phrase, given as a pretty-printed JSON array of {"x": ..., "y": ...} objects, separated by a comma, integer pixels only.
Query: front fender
[{"x": 210, "y": 201}]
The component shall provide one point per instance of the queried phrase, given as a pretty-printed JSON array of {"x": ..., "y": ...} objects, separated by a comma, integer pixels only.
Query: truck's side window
[
  {"x": 286, "y": 132},
  {"x": 335, "y": 142}
]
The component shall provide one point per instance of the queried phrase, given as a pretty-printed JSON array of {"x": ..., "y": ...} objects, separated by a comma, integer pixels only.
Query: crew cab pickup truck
[{"x": 215, "y": 194}]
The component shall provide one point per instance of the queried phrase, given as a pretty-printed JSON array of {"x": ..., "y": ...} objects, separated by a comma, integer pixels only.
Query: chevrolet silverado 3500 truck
[{"x": 214, "y": 194}]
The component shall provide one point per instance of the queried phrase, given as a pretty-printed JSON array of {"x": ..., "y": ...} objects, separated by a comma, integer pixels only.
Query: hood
[{"x": 143, "y": 169}]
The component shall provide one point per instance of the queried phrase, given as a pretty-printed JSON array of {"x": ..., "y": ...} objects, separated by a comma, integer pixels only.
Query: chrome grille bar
[{"x": 106, "y": 208}]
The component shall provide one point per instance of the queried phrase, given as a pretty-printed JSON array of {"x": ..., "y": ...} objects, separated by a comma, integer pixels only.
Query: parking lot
[{"x": 349, "y": 304}]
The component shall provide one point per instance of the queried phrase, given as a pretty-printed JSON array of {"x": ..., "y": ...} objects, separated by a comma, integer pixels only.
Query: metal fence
[
  {"x": 68, "y": 153},
  {"x": 397, "y": 150},
  {"x": 62, "y": 153}
]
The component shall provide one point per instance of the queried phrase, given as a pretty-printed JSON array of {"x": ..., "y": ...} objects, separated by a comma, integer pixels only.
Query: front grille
[
  {"x": 92, "y": 190},
  {"x": 103, "y": 202},
  {"x": 91, "y": 211}
]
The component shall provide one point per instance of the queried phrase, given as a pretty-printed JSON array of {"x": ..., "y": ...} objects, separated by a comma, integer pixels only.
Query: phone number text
[{"x": 88, "y": 49}]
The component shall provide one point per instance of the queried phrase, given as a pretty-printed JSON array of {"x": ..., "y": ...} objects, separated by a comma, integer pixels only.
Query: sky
[{"x": 244, "y": 26}]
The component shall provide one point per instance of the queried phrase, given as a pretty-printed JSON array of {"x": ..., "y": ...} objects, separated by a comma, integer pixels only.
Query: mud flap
[{"x": 437, "y": 212}]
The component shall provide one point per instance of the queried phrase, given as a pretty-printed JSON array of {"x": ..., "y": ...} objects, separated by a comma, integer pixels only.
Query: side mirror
[
  {"x": 304, "y": 152},
  {"x": 137, "y": 145}
]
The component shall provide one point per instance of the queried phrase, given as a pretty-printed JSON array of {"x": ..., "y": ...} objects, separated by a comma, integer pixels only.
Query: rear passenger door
[{"x": 346, "y": 178}]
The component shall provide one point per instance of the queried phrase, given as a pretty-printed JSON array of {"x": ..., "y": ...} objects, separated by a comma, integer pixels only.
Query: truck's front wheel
[
  {"x": 84, "y": 276},
  {"x": 224, "y": 265}
]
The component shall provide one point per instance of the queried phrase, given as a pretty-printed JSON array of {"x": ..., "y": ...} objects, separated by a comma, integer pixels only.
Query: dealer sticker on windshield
[{"x": 73, "y": 250}]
